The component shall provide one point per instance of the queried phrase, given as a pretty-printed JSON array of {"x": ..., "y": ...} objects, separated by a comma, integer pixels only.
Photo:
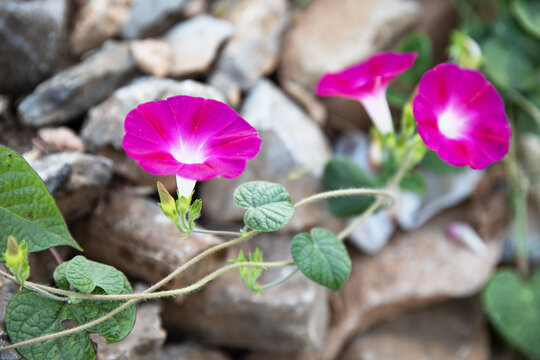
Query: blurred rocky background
[{"x": 70, "y": 70}]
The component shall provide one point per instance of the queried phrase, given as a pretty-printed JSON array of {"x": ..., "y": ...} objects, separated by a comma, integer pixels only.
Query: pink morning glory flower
[
  {"x": 461, "y": 116},
  {"x": 190, "y": 137},
  {"x": 367, "y": 83}
]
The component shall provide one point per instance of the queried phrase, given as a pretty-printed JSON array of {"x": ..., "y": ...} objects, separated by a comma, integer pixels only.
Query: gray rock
[
  {"x": 147, "y": 17},
  {"x": 191, "y": 351},
  {"x": 450, "y": 331},
  {"x": 293, "y": 315},
  {"x": 71, "y": 92},
  {"x": 31, "y": 35},
  {"x": 195, "y": 43},
  {"x": 318, "y": 43},
  {"x": 103, "y": 130},
  {"x": 4, "y": 105},
  {"x": 253, "y": 50},
  {"x": 291, "y": 141},
  {"x": 59, "y": 139},
  {"x": 132, "y": 234},
  {"x": 7, "y": 289},
  {"x": 97, "y": 21},
  {"x": 144, "y": 342},
  {"x": 75, "y": 180}
]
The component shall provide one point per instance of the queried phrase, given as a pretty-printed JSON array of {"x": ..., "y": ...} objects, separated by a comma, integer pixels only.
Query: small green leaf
[
  {"x": 527, "y": 13},
  {"x": 249, "y": 275},
  {"x": 27, "y": 210},
  {"x": 322, "y": 257},
  {"x": 420, "y": 43},
  {"x": 342, "y": 173},
  {"x": 30, "y": 315},
  {"x": 414, "y": 182},
  {"x": 513, "y": 306},
  {"x": 60, "y": 278},
  {"x": 85, "y": 275},
  {"x": 433, "y": 162},
  {"x": 268, "y": 205}
]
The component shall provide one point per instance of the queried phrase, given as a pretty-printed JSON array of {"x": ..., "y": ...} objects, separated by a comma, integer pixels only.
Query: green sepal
[
  {"x": 195, "y": 210},
  {"x": 167, "y": 203}
]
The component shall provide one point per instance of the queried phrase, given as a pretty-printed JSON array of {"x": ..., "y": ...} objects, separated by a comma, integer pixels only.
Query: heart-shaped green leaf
[
  {"x": 342, "y": 173},
  {"x": 322, "y": 257},
  {"x": 513, "y": 306},
  {"x": 527, "y": 13},
  {"x": 268, "y": 205},
  {"x": 27, "y": 210},
  {"x": 31, "y": 315},
  {"x": 85, "y": 275}
]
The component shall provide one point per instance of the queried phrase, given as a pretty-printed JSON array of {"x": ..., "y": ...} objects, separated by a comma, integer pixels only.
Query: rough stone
[
  {"x": 4, "y": 105},
  {"x": 253, "y": 50},
  {"x": 318, "y": 43},
  {"x": 97, "y": 21},
  {"x": 31, "y": 35},
  {"x": 60, "y": 139},
  {"x": 75, "y": 180},
  {"x": 291, "y": 141},
  {"x": 191, "y": 351},
  {"x": 450, "y": 331},
  {"x": 140, "y": 241},
  {"x": 71, "y": 92},
  {"x": 103, "y": 130},
  {"x": 144, "y": 342},
  {"x": 7, "y": 289},
  {"x": 148, "y": 18},
  {"x": 152, "y": 56},
  {"x": 293, "y": 315},
  {"x": 195, "y": 44},
  {"x": 414, "y": 270}
]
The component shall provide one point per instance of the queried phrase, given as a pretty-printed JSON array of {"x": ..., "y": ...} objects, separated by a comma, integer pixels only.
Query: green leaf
[
  {"x": 342, "y": 173},
  {"x": 420, "y": 43},
  {"x": 85, "y": 275},
  {"x": 60, "y": 278},
  {"x": 322, "y": 257},
  {"x": 31, "y": 315},
  {"x": 27, "y": 210},
  {"x": 268, "y": 205},
  {"x": 528, "y": 16},
  {"x": 414, "y": 182},
  {"x": 513, "y": 306},
  {"x": 433, "y": 162},
  {"x": 249, "y": 275},
  {"x": 507, "y": 67}
]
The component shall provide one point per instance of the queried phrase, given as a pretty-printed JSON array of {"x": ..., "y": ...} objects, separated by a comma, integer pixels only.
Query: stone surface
[
  {"x": 31, "y": 35},
  {"x": 103, "y": 130},
  {"x": 4, "y": 105},
  {"x": 75, "y": 180},
  {"x": 144, "y": 342},
  {"x": 191, "y": 351},
  {"x": 147, "y": 18},
  {"x": 7, "y": 289},
  {"x": 60, "y": 139},
  {"x": 415, "y": 269},
  {"x": 195, "y": 43},
  {"x": 253, "y": 50},
  {"x": 71, "y": 92},
  {"x": 97, "y": 21},
  {"x": 450, "y": 331},
  {"x": 152, "y": 56},
  {"x": 293, "y": 315},
  {"x": 319, "y": 43},
  {"x": 291, "y": 141},
  {"x": 132, "y": 234}
]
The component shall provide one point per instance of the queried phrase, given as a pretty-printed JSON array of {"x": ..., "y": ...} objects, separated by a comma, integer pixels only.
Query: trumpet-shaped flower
[
  {"x": 367, "y": 83},
  {"x": 190, "y": 137},
  {"x": 461, "y": 116}
]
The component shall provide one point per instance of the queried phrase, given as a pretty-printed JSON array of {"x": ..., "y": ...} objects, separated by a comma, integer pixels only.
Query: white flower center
[
  {"x": 451, "y": 124},
  {"x": 187, "y": 155}
]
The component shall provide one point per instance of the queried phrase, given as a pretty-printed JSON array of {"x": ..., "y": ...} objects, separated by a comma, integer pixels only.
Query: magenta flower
[
  {"x": 190, "y": 137},
  {"x": 461, "y": 116},
  {"x": 367, "y": 83}
]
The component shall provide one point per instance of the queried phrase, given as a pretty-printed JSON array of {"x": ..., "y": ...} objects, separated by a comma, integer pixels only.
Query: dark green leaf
[
  {"x": 322, "y": 257},
  {"x": 31, "y": 315},
  {"x": 27, "y": 210},
  {"x": 342, "y": 173},
  {"x": 268, "y": 205},
  {"x": 433, "y": 162},
  {"x": 513, "y": 306},
  {"x": 414, "y": 182},
  {"x": 527, "y": 14},
  {"x": 85, "y": 275},
  {"x": 420, "y": 43}
]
